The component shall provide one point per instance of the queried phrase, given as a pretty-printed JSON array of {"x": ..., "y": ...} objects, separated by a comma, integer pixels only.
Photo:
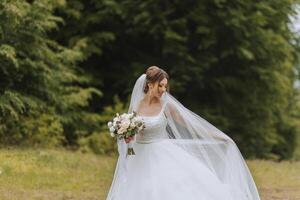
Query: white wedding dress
[
  {"x": 161, "y": 170},
  {"x": 179, "y": 156}
]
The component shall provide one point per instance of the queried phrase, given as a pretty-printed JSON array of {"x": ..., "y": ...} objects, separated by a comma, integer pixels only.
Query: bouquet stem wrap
[{"x": 130, "y": 150}]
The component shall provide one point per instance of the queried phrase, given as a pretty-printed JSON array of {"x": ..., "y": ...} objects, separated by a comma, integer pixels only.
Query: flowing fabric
[{"x": 213, "y": 167}]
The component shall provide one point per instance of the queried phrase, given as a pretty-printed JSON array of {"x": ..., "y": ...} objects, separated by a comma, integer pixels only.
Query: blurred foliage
[
  {"x": 102, "y": 142},
  {"x": 234, "y": 63}
]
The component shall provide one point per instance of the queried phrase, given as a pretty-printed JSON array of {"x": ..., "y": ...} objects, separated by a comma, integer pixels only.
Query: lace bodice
[{"x": 155, "y": 128}]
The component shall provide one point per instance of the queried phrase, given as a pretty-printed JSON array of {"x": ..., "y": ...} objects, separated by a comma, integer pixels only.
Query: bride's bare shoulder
[
  {"x": 170, "y": 107},
  {"x": 167, "y": 104}
]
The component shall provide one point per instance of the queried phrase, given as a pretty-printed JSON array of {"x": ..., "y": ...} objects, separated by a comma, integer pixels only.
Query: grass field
[{"x": 60, "y": 174}]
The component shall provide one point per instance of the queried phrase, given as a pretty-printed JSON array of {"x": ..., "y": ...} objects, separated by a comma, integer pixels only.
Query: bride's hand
[{"x": 127, "y": 140}]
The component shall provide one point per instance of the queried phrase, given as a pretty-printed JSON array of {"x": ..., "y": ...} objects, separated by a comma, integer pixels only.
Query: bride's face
[{"x": 157, "y": 89}]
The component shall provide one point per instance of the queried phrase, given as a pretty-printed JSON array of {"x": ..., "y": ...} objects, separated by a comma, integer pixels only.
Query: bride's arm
[{"x": 175, "y": 115}]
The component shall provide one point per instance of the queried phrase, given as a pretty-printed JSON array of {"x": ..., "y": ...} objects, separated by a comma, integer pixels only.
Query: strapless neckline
[{"x": 153, "y": 116}]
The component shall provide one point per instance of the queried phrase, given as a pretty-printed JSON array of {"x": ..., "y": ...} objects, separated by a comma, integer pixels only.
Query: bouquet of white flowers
[{"x": 126, "y": 126}]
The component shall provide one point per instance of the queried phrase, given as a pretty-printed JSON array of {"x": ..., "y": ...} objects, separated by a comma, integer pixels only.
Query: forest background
[{"x": 67, "y": 67}]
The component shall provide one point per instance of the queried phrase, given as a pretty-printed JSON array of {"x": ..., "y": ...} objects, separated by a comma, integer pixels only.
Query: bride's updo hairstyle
[{"x": 155, "y": 74}]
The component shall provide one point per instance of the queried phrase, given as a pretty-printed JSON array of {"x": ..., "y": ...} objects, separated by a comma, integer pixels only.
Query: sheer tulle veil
[{"x": 199, "y": 138}]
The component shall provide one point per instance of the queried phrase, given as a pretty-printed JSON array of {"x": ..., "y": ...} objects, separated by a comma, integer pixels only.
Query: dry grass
[
  {"x": 52, "y": 174},
  {"x": 276, "y": 180},
  {"x": 60, "y": 174}
]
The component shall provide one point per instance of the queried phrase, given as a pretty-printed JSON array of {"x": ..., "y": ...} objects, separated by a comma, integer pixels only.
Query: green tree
[
  {"x": 238, "y": 56},
  {"x": 44, "y": 97}
]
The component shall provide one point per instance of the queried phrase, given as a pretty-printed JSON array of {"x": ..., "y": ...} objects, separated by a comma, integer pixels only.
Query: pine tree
[
  {"x": 238, "y": 56},
  {"x": 44, "y": 97}
]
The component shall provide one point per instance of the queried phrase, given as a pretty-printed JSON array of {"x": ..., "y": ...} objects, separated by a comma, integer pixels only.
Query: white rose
[
  {"x": 125, "y": 123},
  {"x": 138, "y": 118},
  {"x": 112, "y": 134},
  {"x": 111, "y": 129},
  {"x": 121, "y": 130},
  {"x": 109, "y": 124},
  {"x": 134, "y": 119},
  {"x": 130, "y": 115},
  {"x": 132, "y": 125},
  {"x": 125, "y": 117},
  {"x": 115, "y": 119}
]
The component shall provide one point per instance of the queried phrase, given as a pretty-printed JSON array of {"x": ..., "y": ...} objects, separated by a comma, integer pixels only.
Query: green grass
[
  {"x": 53, "y": 174},
  {"x": 60, "y": 174}
]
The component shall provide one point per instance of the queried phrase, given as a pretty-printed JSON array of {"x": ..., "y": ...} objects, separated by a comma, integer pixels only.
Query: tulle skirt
[{"x": 164, "y": 171}]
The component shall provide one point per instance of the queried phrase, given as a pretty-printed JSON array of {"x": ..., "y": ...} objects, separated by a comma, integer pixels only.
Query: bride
[{"x": 179, "y": 155}]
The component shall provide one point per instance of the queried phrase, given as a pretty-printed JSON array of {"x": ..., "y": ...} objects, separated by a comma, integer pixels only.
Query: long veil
[{"x": 199, "y": 138}]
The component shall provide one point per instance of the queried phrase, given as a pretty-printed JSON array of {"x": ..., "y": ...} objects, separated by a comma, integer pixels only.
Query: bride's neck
[{"x": 149, "y": 100}]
